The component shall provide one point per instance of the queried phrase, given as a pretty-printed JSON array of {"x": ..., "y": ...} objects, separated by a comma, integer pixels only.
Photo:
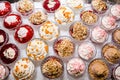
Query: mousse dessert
[
  {"x": 25, "y": 7},
  {"x": 5, "y": 8},
  {"x": 116, "y": 73},
  {"x": 111, "y": 53},
  {"x": 12, "y": 21},
  {"x": 23, "y": 69},
  {"x": 52, "y": 67},
  {"x": 100, "y": 6},
  {"x": 37, "y": 49},
  {"x": 75, "y": 4},
  {"x": 9, "y": 53},
  {"x": 24, "y": 33},
  {"x": 116, "y": 36},
  {"x": 86, "y": 50},
  {"x": 49, "y": 31},
  {"x": 99, "y": 35},
  {"x": 38, "y": 17},
  {"x": 3, "y": 37},
  {"x": 64, "y": 15},
  {"x": 98, "y": 70},
  {"x": 51, "y": 5},
  {"x": 89, "y": 17},
  {"x": 115, "y": 10},
  {"x": 109, "y": 22},
  {"x": 64, "y": 47},
  {"x": 78, "y": 31},
  {"x": 76, "y": 67},
  {"x": 4, "y": 72}
]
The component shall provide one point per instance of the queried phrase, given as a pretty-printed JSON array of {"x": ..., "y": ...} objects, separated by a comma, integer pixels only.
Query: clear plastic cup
[
  {"x": 98, "y": 70},
  {"x": 98, "y": 35},
  {"x": 64, "y": 47},
  {"x": 55, "y": 68},
  {"x": 25, "y": 7},
  {"x": 79, "y": 31},
  {"x": 38, "y": 17},
  {"x": 37, "y": 49},
  {"x": 49, "y": 31},
  {"x": 87, "y": 50},
  {"x": 111, "y": 53},
  {"x": 4, "y": 72},
  {"x": 89, "y": 17},
  {"x": 4, "y": 37},
  {"x": 99, "y": 6}
]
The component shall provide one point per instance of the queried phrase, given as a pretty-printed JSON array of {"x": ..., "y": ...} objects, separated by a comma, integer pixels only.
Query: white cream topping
[
  {"x": 23, "y": 69},
  {"x": 2, "y": 6},
  {"x": 2, "y": 72},
  {"x": 86, "y": 50},
  {"x": 115, "y": 10},
  {"x": 22, "y": 32},
  {"x": 109, "y": 22},
  {"x": 9, "y": 53},
  {"x": 37, "y": 49},
  {"x": 117, "y": 73},
  {"x": 1, "y": 38},
  {"x": 49, "y": 31},
  {"x": 64, "y": 15},
  {"x": 75, "y": 4},
  {"x": 51, "y": 3},
  {"x": 99, "y": 35},
  {"x": 76, "y": 67},
  {"x": 11, "y": 19}
]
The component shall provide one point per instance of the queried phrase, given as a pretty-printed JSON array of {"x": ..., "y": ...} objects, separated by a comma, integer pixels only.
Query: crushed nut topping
[
  {"x": 38, "y": 18},
  {"x": 89, "y": 17},
  {"x": 79, "y": 31},
  {"x": 99, "y": 5},
  {"x": 25, "y": 6},
  {"x": 52, "y": 68},
  {"x": 64, "y": 48}
]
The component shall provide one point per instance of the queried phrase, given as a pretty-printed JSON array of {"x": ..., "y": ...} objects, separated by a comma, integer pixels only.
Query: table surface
[{"x": 63, "y": 32}]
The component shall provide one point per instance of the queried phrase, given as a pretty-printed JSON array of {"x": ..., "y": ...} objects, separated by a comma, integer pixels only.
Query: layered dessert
[
  {"x": 64, "y": 47},
  {"x": 24, "y": 34},
  {"x": 4, "y": 72},
  {"x": 99, "y": 6},
  {"x": 87, "y": 50},
  {"x": 116, "y": 36},
  {"x": 89, "y": 17},
  {"x": 38, "y": 17},
  {"x": 49, "y": 31},
  {"x": 109, "y": 22},
  {"x": 75, "y": 4},
  {"x": 64, "y": 15},
  {"x": 116, "y": 72},
  {"x": 25, "y": 7},
  {"x": 51, "y": 5},
  {"x": 111, "y": 53},
  {"x": 37, "y": 49},
  {"x": 98, "y": 35},
  {"x": 5, "y": 8},
  {"x": 23, "y": 69},
  {"x": 98, "y": 70},
  {"x": 75, "y": 67},
  {"x": 115, "y": 10},
  {"x": 3, "y": 37},
  {"x": 79, "y": 31},
  {"x": 12, "y": 21},
  {"x": 52, "y": 67},
  {"x": 9, "y": 53}
]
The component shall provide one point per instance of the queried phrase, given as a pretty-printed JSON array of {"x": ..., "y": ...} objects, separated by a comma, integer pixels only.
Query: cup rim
[{"x": 58, "y": 59}]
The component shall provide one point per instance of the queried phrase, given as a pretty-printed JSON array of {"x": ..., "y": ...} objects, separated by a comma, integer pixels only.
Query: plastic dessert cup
[{"x": 52, "y": 67}]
